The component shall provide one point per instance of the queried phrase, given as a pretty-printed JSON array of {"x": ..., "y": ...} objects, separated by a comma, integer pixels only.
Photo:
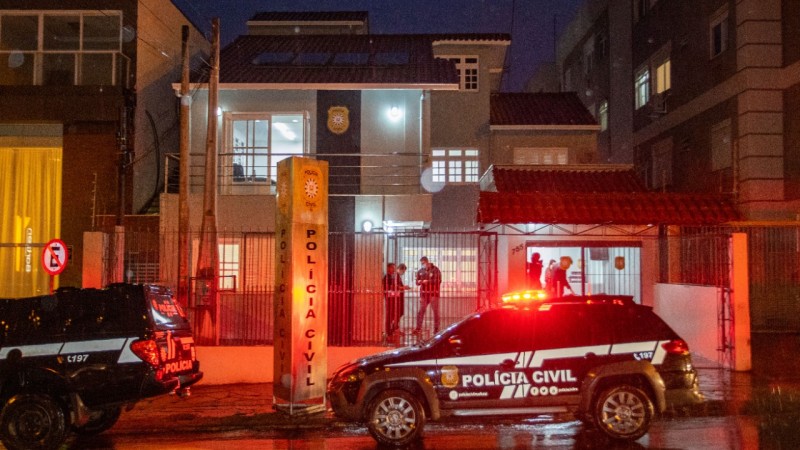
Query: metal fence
[{"x": 357, "y": 263}]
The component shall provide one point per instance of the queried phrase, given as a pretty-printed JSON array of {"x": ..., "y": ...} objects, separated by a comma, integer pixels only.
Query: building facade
[
  {"x": 710, "y": 94},
  {"x": 87, "y": 86}
]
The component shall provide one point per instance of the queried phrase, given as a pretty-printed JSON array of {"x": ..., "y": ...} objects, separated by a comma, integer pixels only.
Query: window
[
  {"x": 255, "y": 143},
  {"x": 721, "y": 149},
  {"x": 602, "y": 115},
  {"x": 455, "y": 166},
  {"x": 229, "y": 264},
  {"x": 540, "y": 156},
  {"x": 718, "y": 32},
  {"x": 62, "y": 49},
  {"x": 663, "y": 81},
  {"x": 642, "y": 87},
  {"x": 467, "y": 67},
  {"x": 458, "y": 263},
  {"x": 662, "y": 164}
]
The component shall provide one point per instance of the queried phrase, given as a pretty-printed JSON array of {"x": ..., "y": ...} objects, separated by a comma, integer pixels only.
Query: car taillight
[
  {"x": 147, "y": 351},
  {"x": 676, "y": 347}
]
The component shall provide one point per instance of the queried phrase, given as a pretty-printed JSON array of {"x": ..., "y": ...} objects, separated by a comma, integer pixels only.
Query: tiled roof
[
  {"x": 549, "y": 179},
  {"x": 310, "y": 16},
  {"x": 635, "y": 208},
  {"x": 549, "y": 108},
  {"x": 252, "y": 59},
  {"x": 592, "y": 196}
]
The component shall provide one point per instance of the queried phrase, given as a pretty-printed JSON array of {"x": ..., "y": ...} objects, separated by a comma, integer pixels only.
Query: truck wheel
[
  {"x": 100, "y": 421},
  {"x": 623, "y": 412},
  {"x": 32, "y": 421},
  {"x": 395, "y": 418}
]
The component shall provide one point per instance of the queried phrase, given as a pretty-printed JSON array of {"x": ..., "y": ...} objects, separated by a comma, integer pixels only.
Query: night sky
[{"x": 531, "y": 40}]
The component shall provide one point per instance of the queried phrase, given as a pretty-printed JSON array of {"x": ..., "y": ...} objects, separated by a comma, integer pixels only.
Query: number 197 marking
[{"x": 77, "y": 358}]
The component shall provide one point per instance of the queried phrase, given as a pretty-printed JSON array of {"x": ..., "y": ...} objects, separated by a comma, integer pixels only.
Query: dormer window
[{"x": 467, "y": 67}]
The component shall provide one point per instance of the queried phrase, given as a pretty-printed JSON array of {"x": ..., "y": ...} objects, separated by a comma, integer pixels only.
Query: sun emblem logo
[
  {"x": 311, "y": 188},
  {"x": 338, "y": 119}
]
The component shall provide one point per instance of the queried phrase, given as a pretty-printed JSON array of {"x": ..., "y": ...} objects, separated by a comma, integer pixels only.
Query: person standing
[
  {"x": 392, "y": 291},
  {"x": 548, "y": 275},
  {"x": 429, "y": 280},
  {"x": 560, "y": 281},
  {"x": 534, "y": 272}
]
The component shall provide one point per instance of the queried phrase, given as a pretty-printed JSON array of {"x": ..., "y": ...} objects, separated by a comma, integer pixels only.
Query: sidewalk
[{"x": 775, "y": 380}]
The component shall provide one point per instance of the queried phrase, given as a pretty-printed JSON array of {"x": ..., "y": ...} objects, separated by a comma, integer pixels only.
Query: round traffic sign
[{"x": 54, "y": 257}]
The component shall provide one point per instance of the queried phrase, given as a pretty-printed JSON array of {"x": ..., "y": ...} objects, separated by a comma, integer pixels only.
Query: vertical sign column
[{"x": 301, "y": 297}]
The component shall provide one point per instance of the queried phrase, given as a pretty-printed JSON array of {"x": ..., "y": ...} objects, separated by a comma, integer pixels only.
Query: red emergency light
[{"x": 524, "y": 296}]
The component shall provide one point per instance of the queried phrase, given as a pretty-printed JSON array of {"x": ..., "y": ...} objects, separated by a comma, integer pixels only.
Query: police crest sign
[{"x": 338, "y": 119}]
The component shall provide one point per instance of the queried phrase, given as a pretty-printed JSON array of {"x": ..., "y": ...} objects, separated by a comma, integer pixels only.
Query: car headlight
[{"x": 349, "y": 374}]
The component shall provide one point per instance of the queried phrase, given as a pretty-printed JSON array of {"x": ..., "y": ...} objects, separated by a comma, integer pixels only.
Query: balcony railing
[
  {"x": 65, "y": 68},
  {"x": 357, "y": 173}
]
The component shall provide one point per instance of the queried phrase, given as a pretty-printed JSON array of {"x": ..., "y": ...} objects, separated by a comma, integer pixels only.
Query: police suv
[
  {"x": 611, "y": 362},
  {"x": 71, "y": 361}
]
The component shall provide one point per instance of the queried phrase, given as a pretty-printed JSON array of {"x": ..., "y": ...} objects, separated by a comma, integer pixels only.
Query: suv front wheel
[
  {"x": 395, "y": 417},
  {"x": 623, "y": 412}
]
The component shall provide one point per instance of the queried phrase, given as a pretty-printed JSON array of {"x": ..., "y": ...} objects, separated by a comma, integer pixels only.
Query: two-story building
[{"x": 86, "y": 115}]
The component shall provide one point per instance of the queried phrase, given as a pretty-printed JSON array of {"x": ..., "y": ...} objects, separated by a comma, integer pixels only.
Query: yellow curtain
[{"x": 30, "y": 204}]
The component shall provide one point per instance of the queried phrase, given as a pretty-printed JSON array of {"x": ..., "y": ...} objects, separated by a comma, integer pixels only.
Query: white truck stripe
[
  {"x": 101, "y": 345},
  {"x": 33, "y": 350}
]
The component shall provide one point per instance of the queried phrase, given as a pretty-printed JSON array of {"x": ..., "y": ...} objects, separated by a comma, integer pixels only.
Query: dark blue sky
[{"x": 532, "y": 37}]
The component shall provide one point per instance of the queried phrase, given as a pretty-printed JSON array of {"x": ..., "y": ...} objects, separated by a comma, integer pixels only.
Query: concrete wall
[
  {"x": 228, "y": 365},
  {"x": 699, "y": 328},
  {"x": 581, "y": 145}
]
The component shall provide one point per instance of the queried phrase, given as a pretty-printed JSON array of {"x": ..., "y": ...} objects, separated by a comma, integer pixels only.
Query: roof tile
[{"x": 543, "y": 108}]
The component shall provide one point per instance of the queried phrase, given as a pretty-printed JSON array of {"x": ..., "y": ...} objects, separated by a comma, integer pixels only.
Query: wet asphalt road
[{"x": 711, "y": 433}]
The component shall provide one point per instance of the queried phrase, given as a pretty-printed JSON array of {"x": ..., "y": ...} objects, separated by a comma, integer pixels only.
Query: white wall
[{"x": 692, "y": 312}]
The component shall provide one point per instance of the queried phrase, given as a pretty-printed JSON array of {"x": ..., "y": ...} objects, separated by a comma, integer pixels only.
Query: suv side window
[
  {"x": 565, "y": 325},
  {"x": 496, "y": 331},
  {"x": 639, "y": 324}
]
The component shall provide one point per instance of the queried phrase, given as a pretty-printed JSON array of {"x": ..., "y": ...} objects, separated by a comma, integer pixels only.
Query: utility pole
[
  {"x": 208, "y": 261},
  {"x": 184, "y": 228}
]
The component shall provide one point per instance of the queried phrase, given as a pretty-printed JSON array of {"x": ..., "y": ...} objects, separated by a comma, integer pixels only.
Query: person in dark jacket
[
  {"x": 534, "y": 272},
  {"x": 560, "y": 281},
  {"x": 393, "y": 293},
  {"x": 429, "y": 280}
]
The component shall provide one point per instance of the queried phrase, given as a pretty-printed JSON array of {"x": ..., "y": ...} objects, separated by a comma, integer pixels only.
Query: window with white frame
[
  {"x": 721, "y": 148},
  {"x": 641, "y": 85},
  {"x": 718, "y": 32},
  {"x": 457, "y": 264},
  {"x": 661, "y": 154},
  {"x": 61, "y": 48},
  {"x": 256, "y": 142},
  {"x": 467, "y": 67},
  {"x": 229, "y": 263},
  {"x": 531, "y": 156},
  {"x": 602, "y": 115},
  {"x": 455, "y": 165}
]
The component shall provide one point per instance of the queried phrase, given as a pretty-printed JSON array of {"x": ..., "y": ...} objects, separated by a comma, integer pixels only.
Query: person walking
[
  {"x": 548, "y": 275},
  {"x": 429, "y": 280},
  {"x": 392, "y": 291},
  {"x": 560, "y": 281},
  {"x": 534, "y": 272}
]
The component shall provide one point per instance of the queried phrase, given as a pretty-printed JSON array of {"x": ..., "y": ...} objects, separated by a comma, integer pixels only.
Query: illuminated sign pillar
[{"x": 301, "y": 286}]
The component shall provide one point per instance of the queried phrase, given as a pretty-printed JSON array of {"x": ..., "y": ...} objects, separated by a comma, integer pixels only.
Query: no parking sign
[{"x": 54, "y": 257}]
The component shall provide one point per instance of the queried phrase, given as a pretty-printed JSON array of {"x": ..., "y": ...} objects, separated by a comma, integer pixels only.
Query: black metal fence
[{"x": 357, "y": 307}]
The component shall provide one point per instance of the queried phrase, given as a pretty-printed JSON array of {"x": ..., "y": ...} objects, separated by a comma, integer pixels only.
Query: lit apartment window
[
  {"x": 718, "y": 32},
  {"x": 663, "y": 80},
  {"x": 602, "y": 115},
  {"x": 467, "y": 67},
  {"x": 528, "y": 156},
  {"x": 455, "y": 166},
  {"x": 642, "y": 87},
  {"x": 228, "y": 264},
  {"x": 256, "y": 142},
  {"x": 61, "y": 48}
]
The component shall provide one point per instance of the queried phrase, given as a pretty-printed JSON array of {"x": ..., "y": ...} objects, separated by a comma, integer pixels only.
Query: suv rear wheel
[
  {"x": 623, "y": 412},
  {"x": 32, "y": 421},
  {"x": 395, "y": 417}
]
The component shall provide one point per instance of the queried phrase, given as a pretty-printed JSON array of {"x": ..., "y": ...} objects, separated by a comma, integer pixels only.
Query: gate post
[{"x": 740, "y": 299}]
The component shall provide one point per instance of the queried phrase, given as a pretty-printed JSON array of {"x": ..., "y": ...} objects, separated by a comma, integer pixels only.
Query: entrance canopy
[{"x": 591, "y": 194}]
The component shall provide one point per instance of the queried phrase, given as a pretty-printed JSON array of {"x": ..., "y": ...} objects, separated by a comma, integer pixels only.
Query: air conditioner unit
[{"x": 658, "y": 103}]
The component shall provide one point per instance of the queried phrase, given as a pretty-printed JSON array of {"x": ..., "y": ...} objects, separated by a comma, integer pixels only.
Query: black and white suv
[
  {"x": 611, "y": 362},
  {"x": 71, "y": 361}
]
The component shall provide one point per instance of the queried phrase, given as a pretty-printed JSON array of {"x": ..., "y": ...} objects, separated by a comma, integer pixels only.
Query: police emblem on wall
[
  {"x": 450, "y": 376},
  {"x": 338, "y": 119}
]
